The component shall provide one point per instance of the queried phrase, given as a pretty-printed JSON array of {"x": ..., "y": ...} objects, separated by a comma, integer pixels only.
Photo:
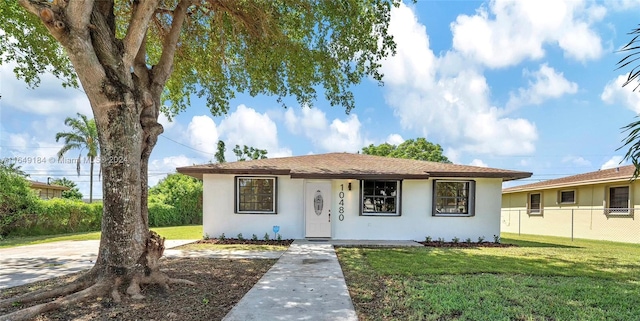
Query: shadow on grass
[{"x": 522, "y": 243}]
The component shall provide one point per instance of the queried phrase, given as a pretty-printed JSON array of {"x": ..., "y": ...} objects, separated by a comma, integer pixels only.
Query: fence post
[
  {"x": 519, "y": 220},
  {"x": 572, "y": 224}
]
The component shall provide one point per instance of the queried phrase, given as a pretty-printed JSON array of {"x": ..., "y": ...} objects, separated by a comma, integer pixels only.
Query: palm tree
[
  {"x": 631, "y": 60},
  {"x": 83, "y": 135}
]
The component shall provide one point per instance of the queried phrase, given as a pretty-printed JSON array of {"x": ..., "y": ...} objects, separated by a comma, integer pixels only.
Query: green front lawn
[
  {"x": 544, "y": 278},
  {"x": 189, "y": 232}
]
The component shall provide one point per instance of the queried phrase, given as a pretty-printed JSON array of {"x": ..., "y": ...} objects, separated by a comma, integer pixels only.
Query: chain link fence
[{"x": 615, "y": 224}]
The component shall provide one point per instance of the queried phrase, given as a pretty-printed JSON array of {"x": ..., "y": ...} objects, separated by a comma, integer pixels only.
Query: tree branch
[
  {"x": 79, "y": 13},
  {"x": 137, "y": 29},
  {"x": 140, "y": 64},
  {"x": 33, "y": 7},
  {"x": 162, "y": 70}
]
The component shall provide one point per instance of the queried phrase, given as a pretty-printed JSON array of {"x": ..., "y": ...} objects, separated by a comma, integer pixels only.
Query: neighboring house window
[
  {"x": 453, "y": 198},
  {"x": 256, "y": 195},
  {"x": 567, "y": 197},
  {"x": 534, "y": 204},
  {"x": 618, "y": 200},
  {"x": 380, "y": 197}
]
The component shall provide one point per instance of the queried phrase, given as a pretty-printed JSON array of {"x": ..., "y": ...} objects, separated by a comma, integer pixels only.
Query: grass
[
  {"x": 189, "y": 232},
  {"x": 544, "y": 278}
]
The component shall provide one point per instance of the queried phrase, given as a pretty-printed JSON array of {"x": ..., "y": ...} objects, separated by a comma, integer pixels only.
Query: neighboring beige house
[
  {"x": 351, "y": 196},
  {"x": 598, "y": 205},
  {"x": 46, "y": 191}
]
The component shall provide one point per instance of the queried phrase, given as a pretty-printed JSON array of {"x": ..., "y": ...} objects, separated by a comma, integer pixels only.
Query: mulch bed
[
  {"x": 286, "y": 242},
  {"x": 221, "y": 283},
  {"x": 465, "y": 244}
]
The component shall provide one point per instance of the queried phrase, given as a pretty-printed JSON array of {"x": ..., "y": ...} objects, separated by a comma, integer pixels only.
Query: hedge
[{"x": 59, "y": 216}]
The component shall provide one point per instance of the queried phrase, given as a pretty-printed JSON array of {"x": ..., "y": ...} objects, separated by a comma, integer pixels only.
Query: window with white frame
[
  {"x": 534, "y": 204},
  {"x": 380, "y": 197},
  {"x": 567, "y": 197},
  {"x": 618, "y": 200},
  {"x": 453, "y": 198},
  {"x": 256, "y": 195}
]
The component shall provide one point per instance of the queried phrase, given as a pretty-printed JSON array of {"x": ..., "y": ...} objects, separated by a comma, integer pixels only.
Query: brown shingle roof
[
  {"x": 346, "y": 165},
  {"x": 36, "y": 184},
  {"x": 623, "y": 173}
]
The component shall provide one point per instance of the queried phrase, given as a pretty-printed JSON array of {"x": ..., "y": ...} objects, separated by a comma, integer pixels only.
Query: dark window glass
[
  {"x": 256, "y": 194},
  {"x": 619, "y": 197},
  {"x": 535, "y": 203},
  {"x": 380, "y": 197},
  {"x": 567, "y": 197}
]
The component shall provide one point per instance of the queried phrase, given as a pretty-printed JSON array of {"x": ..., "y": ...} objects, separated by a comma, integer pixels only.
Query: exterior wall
[
  {"x": 219, "y": 217},
  {"x": 48, "y": 193},
  {"x": 415, "y": 222},
  {"x": 584, "y": 219}
]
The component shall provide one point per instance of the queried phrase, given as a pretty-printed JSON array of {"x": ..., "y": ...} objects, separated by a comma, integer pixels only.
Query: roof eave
[
  {"x": 503, "y": 176},
  {"x": 516, "y": 189}
]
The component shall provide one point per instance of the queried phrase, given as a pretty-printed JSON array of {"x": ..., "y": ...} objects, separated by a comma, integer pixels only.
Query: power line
[{"x": 187, "y": 146}]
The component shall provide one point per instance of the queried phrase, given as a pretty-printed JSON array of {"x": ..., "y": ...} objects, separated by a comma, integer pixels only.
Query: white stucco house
[{"x": 351, "y": 196}]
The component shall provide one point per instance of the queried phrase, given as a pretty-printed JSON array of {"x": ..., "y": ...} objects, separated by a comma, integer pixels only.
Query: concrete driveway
[{"x": 30, "y": 263}]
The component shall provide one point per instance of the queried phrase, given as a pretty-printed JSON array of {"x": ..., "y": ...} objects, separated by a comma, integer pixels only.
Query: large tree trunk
[
  {"x": 124, "y": 230},
  {"x": 125, "y": 98}
]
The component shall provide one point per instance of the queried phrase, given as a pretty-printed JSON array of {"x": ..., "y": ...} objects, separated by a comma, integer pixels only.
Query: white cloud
[
  {"x": 507, "y": 32},
  {"x": 614, "y": 93},
  {"x": 203, "y": 135},
  {"x": 159, "y": 168},
  {"x": 339, "y": 136},
  {"x": 546, "y": 84},
  {"x": 246, "y": 126},
  {"x": 613, "y": 162},
  {"x": 622, "y": 4},
  {"x": 478, "y": 162},
  {"x": 452, "y": 108},
  {"x": 576, "y": 160},
  {"x": 414, "y": 62},
  {"x": 50, "y": 98},
  {"x": 165, "y": 122},
  {"x": 394, "y": 139}
]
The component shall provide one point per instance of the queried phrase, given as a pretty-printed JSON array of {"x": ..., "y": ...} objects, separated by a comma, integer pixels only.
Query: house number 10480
[{"x": 341, "y": 203}]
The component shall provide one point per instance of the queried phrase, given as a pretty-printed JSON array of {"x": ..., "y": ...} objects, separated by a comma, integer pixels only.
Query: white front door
[{"x": 317, "y": 209}]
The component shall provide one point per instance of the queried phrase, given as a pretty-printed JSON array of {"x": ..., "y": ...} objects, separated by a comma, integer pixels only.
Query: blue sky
[{"x": 523, "y": 85}]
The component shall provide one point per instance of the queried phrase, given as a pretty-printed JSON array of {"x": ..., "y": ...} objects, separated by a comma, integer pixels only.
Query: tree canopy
[
  {"x": 418, "y": 148},
  {"x": 249, "y": 152},
  {"x": 135, "y": 59},
  {"x": 73, "y": 192}
]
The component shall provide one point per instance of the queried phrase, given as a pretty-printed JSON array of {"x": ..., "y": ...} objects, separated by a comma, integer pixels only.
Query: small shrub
[
  {"x": 279, "y": 238},
  {"x": 206, "y": 236},
  {"x": 468, "y": 240},
  {"x": 266, "y": 236},
  {"x": 455, "y": 240},
  {"x": 428, "y": 239},
  {"x": 240, "y": 237},
  {"x": 222, "y": 237},
  {"x": 480, "y": 239},
  {"x": 496, "y": 239},
  {"x": 254, "y": 237}
]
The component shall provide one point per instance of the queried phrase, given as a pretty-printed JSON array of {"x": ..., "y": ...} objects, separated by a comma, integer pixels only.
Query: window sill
[
  {"x": 452, "y": 215},
  {"x": 259, "y": 213},
  {"x": 379, "y": 214},
  {"x": 614, "y": 213}
]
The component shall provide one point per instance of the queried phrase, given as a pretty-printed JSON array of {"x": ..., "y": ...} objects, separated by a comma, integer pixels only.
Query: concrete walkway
[{"x": 305, "y": 284}]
